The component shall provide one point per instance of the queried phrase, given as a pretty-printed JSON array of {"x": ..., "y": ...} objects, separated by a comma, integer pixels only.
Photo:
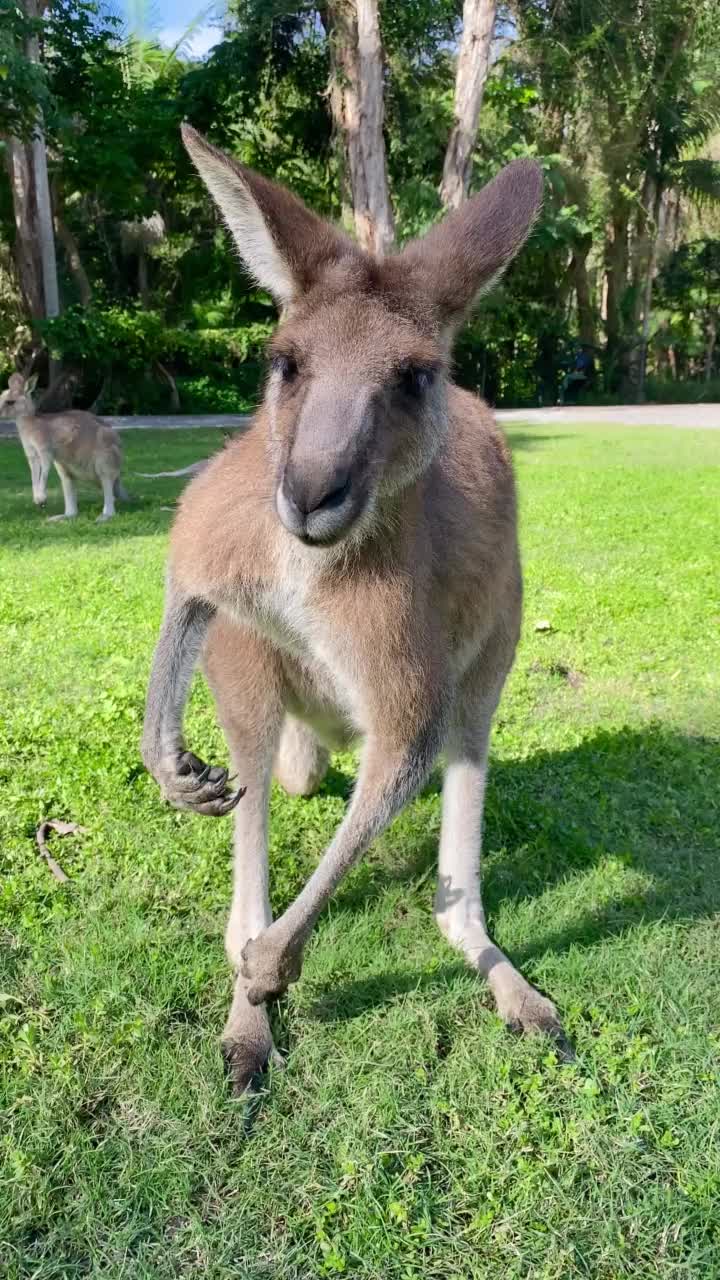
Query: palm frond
[
  {"x": 181, "y": 48},
  {"x": 699, "y": 179}
]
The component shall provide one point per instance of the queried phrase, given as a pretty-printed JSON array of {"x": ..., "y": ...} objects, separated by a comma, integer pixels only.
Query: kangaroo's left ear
[
  {"x": 283, "y": 244},
  {"x": 30, "y": 384},
  {"x": 462, "y": 256}
]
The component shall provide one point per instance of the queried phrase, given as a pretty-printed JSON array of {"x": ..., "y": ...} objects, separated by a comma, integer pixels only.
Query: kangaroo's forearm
[
  {"x": 186, "y": 782},
  {"x": 184, "y": 627}
]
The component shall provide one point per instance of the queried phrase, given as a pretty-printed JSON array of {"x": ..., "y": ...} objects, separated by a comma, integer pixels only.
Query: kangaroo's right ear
[
  {"x": 16, "y": 384},
  {"x": 283, "y": 244}
]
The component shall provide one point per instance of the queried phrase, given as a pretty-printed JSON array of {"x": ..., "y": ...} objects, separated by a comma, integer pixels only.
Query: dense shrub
[
  {"x": 682, "y": 391},
  {"x": 124, "y": 356}
]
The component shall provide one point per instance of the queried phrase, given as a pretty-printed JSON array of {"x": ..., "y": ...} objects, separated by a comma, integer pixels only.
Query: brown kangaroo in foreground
[
  {"x": 349, "y": 568},
  {"x": 80, "y": 445}
]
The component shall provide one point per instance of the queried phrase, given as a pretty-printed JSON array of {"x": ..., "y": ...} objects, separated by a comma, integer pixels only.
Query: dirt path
[{"x": 688, "y": 416}]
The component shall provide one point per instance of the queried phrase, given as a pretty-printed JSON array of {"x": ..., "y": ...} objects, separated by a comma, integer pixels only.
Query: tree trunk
[
  {"x": 332, "y": 19},
  {"x": 585, "y": 312},
  {"x": 143, "y": 286},
  {"x": 356, "y": 102},
  {"x": 472, "y": 68},
  {"x": 651, "y": 268},
  {"x": 45, "y": 226},
  {"x": 27, "y": 257},
  {"x": 710, "y": 340},
  {"x": 35, "y": 9},
  {"x": 644, "y": 266},
  {"x": 616, "y": 267},
  {"x": 73, "y": 259},
  {"x": 35, "y": 243}
]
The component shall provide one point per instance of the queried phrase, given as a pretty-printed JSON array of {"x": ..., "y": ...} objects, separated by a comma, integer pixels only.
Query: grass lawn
[{"x": 409, "y": 1136}]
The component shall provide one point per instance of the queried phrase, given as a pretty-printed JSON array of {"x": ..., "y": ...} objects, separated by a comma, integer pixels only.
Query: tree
[
  {"x": 43, "y": 206},
  {"x": 617, "y": 102},
  {"x": 356, "y": 98},
  {"x": 623, "y": 76},
  {"x": 21, "y": 120},
  {"x": 472, "y": 69}
]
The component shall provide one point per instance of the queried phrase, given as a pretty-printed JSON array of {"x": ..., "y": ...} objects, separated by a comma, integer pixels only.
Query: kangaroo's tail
[{"x": 194, "y": 469}]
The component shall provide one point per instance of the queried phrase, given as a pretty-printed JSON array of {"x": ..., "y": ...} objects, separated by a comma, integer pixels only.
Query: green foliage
[
  {"x": 210, "y": 395},
  {"x": 682, "y": 391},
  {"x": 123, "y": 347},
  {"x": 614, "y": 118},
  {"x": 23, "y": 84}
]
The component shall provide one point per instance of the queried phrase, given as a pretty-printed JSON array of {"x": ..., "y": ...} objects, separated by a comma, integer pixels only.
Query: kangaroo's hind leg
[
  {"x": 69, "y": 493},
  {"x": 244, "y": 674},
  {"x": 108, "y": 461},
  {"x": 108, "y": 487},
  {"x": 458, "y": 903}
]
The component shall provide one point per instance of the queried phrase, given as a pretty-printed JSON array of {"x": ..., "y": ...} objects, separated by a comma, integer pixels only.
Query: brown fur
[
  {"x": 353, "y": 560},
  {"x": 80, "y": 445}
]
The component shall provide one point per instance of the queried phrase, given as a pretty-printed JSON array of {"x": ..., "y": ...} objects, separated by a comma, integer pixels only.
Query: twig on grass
[{"x": 62, "y": 829}]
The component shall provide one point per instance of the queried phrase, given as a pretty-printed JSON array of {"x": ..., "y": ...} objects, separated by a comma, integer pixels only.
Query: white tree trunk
[
  {"x": 34, "y": 9},
  {"x": 356, "y": 100},
  {"x": 472, "y": 68},
  {"x": 45, "y": 226},
  {"x": 20, "y": 172}
]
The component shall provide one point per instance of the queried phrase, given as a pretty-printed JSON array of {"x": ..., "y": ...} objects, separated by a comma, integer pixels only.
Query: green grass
[{"x": 409, "y": 1135}]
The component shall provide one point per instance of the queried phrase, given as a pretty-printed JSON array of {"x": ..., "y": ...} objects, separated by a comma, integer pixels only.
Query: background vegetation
[{"x": 620, "y": 100}]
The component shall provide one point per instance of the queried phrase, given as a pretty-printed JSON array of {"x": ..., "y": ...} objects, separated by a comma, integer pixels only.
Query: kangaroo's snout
[{"x": 318, "y": 504}]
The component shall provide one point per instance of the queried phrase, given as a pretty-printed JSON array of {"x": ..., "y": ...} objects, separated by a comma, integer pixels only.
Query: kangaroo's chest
[{"x": 324, "y": 656}]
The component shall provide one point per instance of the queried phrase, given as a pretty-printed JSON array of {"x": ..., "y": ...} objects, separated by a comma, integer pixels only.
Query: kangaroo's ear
[
  {"x": 462, "y": 256},
  {"x": 16, "y": 384},
  {"x": 30, "y": 384},
  {"x": 283, "y": 244}
]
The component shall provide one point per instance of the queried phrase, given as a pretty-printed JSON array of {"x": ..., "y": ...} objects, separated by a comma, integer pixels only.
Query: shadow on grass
[
  {"x": 647, "y": 798},
  {"x": 528, "y": 439}
]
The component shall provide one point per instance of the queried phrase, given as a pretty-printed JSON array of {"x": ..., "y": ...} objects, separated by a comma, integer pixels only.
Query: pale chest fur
[{"x": 319, "y": 656}]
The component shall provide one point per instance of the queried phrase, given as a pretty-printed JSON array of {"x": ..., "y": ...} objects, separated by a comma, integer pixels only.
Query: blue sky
[{"x": 169, "y": 19}]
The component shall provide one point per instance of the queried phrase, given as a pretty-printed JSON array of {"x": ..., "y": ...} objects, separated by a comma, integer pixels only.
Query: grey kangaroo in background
[
  {"x": 80, "y": 445},
  {"x": 348, "y": 569}
]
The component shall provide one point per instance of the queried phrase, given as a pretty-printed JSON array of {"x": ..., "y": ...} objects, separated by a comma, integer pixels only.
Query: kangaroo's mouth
[{"x": 327, "y": 521}]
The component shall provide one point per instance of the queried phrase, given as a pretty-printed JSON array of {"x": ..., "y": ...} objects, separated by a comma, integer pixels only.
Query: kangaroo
[
  {"x": 79, "y": 444},
  {"x": 349, "y": 568}
]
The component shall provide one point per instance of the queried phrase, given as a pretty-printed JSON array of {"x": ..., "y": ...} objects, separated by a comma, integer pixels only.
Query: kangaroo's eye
[
  {"x": 416, "y": 379},
  {"x": 286, "y": 366}
]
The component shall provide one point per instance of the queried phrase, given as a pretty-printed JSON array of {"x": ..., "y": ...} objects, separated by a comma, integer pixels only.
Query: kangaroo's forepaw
[
  {"x": 188, "y": 783},
  {"x": 269, "y": 966}
]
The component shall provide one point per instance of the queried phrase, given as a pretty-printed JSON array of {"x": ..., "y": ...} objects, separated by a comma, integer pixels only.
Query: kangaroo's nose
[{"x": 308, "y": 492}]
